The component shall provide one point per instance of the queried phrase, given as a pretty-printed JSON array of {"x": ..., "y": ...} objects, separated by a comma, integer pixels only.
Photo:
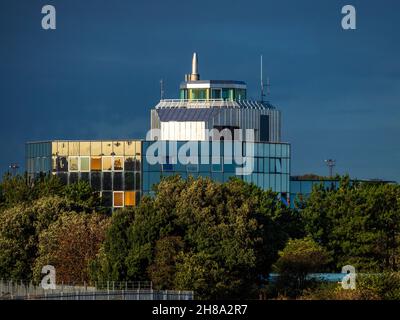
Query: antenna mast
[
  {"x": 261, "y": 79},
  {"x": 331, "y": 164},
  {"x": 262, "y": 86},
  {"x": 161, "y": 89}
]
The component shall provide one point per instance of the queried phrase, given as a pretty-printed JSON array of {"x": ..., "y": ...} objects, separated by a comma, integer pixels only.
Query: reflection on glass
[
  {"x": 95, "y": 163},
  {"x": 137, "y": 163},
  {"x": 118, "y": 199},
  {"x": 107, "y": 181},
  {"x": 129, "y": 164},
  {"x": 63, "y": 177},
  {"x": 96, "y": 148},
  {"x": 107, "y": 148},
  {"x": 129, "y": 148},
  {"x": 130, "y": 198},
  {"x": 54, "y": 164},
  {"x": 96, "y": 181},
  {"x": 107, "y": 163},
  {"x": 118, "y": 163},
  {"x": 62, "y": 164},
  {"x": 73, "y": 164},
  {"x": 129, "y": 181},
  {"x": 137, "y": 181},
  {"x": 85, "y": 176},
  {"x": 138, "y": 149},
  {"x": 85, "y": 163},
  {"x": 118, "y": 148},
  {"x": 117, "y": 181},
  {"x": 63, "y": 148},
  {"x": 85, "y": 148},
  {"x": 106, "y": 198},
  {"x": 54, "y": 148},
  {"x": 73, "y": 177},
  {"x": 73, "y": 148}
]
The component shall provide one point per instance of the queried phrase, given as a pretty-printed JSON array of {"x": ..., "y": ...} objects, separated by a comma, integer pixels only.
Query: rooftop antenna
[
  {"x": 161, "y": 89},
  {"x": 262, "y": 82},
  {"x": 331, "y": 164},
  {"x": 261, "y": 79}
]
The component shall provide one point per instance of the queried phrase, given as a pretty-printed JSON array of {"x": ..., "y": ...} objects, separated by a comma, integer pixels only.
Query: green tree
[
  {"x": 20, "y": 227},
  {"x": 235, "y": 229},
  {"x": 82, "y": 194},
  {"x": 110, "y": 264},
  {"x": 70, "y": 244},
  {"x": 162, "y": 271},
  {"x": 359, "y": 224},
  {"x": 296, "y": 262}
]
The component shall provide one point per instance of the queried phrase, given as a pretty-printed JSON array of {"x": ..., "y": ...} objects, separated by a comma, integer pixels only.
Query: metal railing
[
  {"x": 211, "y": 103},
  {"x": 110, "y": 290}
]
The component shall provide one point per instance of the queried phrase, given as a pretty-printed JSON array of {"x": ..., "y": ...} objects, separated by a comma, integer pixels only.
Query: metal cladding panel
[{"x": 182, "y": 114}]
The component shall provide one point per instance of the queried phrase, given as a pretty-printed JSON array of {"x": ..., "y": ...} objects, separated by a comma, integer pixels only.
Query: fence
[{"x": 111, "y": 290}]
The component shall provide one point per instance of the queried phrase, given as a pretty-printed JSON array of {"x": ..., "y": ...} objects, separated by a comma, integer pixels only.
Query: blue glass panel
[
  {"x": 284, "y": 151},
  {"x": 272, "y": 150},
  {"x": 205, "y": 174},
  {"x": 272, "y": 182},
  {"x": 266, "y": 149},
  {"x": 278, "y": 165},
  {"x": 260, "y": 164},
  {"x": 295, "y": 187},
  {"x": 218, "y": 177},
  {"x": 306, "y": 187},
  {"x": 272, "y": 165},
  {"x": 247, "y": 178},
  {"x": 278, "y": 150},
  {"x": 278, "y": 183}
]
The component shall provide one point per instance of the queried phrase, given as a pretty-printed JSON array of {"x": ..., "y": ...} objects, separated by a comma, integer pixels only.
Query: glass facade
[
  {"x": 121, "y": 174},
  {"x": 229, "y": 94},
  {"x": 302, "y": 187},
  {"x": 112, "y": 168},
  {"x": 271, "y": 165}
]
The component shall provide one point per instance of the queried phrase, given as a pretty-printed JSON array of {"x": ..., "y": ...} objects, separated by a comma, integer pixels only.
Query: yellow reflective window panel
[
  {"x": 95, "y": 163},
  {"x": 96, "y": 148},
  {"x": 85, "y": 148},
  {"x": 63, "y": 148},
  {"x": 118, "y": 148},
  {"x": 130, "y": 198},
  {"x": 129, "y": 148},
  {"x": 54, "y": 148},
  {"x": 118, "y": 199},
  {"x": 118, "y": 163},
  {"x": 107, "y": 163},
  {"x": 73, "y": 163},
  {"x": 107, "y": 147},
  {"x": 73, "y": 148},
  {"x": 138, "y": 148}
]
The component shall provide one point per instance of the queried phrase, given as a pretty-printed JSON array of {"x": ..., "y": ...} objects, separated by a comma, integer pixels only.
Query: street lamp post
[
  {"x": 331, "y": 164},
  {"x": 14, "y": 168}
]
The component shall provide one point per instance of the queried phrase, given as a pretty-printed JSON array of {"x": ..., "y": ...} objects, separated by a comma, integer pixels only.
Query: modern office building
[
  {"x": 112, "y": 168},
  {"x": 209, "y": 112}
]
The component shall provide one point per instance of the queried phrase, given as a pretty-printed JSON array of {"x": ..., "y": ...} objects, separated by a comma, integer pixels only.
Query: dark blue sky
[{"x": 98, "y": 74}]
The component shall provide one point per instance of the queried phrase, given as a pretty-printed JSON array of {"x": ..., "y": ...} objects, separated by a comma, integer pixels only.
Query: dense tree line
[
  {"x": 221, "y": 240},
  {"x": 217, "y": 239}
]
